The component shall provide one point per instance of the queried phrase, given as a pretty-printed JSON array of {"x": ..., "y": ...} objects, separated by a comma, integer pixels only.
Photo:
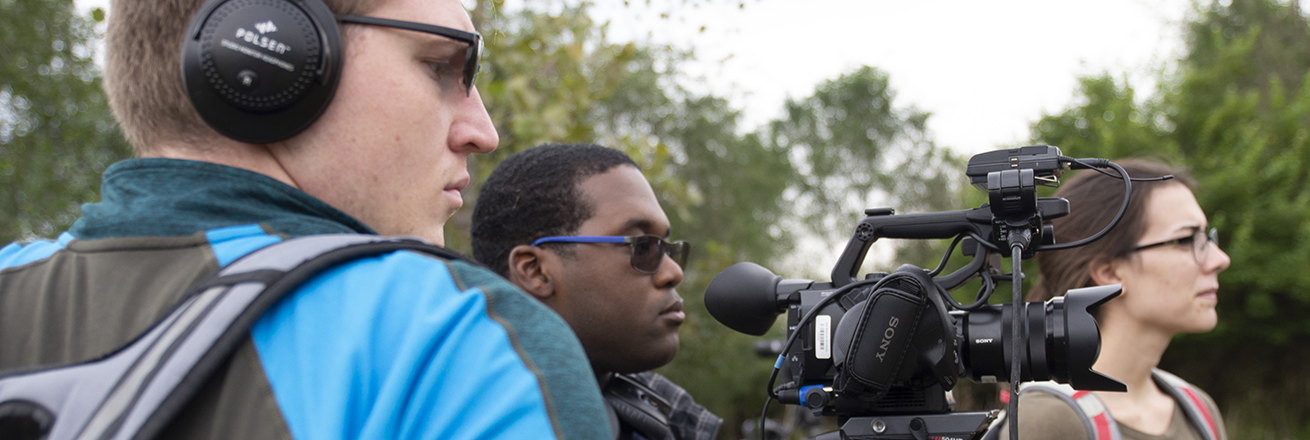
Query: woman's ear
[
  {"x": 1106, "y": 272},
  {"x": 526, "y": 270}
]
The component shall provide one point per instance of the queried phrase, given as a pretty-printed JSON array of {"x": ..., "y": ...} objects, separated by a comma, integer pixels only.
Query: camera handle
[
  {"x": 917, "y": 427},
  {"x": 977, "y": 223},
  {"x": 882, "y": 223}
]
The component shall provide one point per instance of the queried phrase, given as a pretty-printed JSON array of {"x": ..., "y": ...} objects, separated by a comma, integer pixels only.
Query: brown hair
[
  {"x": 1094, "y": 200},
  {"x": 143, "y": 74}
]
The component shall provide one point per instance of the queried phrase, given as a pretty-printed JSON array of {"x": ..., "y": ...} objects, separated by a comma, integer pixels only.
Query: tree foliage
[
  {"x": 854, "y": 149},
  {"x": 56, "y": 131},
  {"x": 1237, "y": 112},
  {"x": 552, "y": 74},
  {"x": 1109, "y": 122}
]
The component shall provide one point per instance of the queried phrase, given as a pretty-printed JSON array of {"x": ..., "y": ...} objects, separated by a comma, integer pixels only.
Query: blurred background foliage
[
  {"x": 1234, "y": 110},
  {"x": 553, "y": 75},
  {"x": 56, "y": 132}
]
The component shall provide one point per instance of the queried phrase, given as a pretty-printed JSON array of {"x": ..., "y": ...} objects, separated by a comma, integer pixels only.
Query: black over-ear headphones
[{"x": 261, "y": 71}]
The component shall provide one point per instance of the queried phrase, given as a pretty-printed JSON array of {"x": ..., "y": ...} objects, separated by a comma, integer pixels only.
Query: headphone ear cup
[{"x": 261, "y": 71}]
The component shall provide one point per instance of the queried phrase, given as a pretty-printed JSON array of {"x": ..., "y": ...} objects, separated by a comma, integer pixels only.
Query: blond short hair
[{"x": 143, "y": 73}]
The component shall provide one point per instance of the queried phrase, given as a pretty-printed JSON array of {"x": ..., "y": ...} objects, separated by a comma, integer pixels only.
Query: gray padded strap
[
  {"x": 135, "y": 391},
  {"x": 74, "y": 393},
  {"x": 233, "y": 315}
]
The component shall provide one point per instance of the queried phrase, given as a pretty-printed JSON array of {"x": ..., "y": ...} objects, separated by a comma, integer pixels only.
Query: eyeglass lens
[
  {"x": 465, "y": 68},
  {"x": 461, "y": 70},
  {"x": 1201, "y": 244},
  {"x": 472, "y": 58},
  {"x": 648, "y": 252}
]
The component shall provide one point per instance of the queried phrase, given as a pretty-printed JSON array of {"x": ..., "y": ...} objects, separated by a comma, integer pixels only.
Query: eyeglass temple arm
[{"x": 582, "y": 239}]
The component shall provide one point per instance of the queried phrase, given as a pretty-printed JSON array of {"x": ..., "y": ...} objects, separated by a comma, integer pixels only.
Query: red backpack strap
[
  {"x": 1100, "y": 426},
  {"x": 1189, "y": 396},
  {"x": 1102, "y": 423}
]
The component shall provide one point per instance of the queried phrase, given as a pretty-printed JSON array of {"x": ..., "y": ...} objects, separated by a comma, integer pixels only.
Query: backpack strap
[
  {"x": 1189, "y": 397},
  {"x": 1100, "y": 426},
  {"x": 135, "y": 391}
]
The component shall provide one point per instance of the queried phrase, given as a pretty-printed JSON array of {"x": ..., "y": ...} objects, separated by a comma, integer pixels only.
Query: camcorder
[{"x": 880, "y": 353}]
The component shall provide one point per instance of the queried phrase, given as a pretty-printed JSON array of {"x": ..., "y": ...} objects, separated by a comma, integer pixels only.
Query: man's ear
[
  {"x": 1106, "y": 272},
  {"x": 526, "y": 270}
]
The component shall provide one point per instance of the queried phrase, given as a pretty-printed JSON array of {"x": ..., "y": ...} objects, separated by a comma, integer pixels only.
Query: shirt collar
[{"x": 167, "y": 197}]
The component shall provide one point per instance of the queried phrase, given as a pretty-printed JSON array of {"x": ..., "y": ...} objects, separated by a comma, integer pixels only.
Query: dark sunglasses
[
  {"x": 648, "y": 251},
  {"x": 471, "y": 56}
]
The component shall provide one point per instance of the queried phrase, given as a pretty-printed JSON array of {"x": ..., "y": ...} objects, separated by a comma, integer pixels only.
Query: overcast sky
[{"x": 984, "y": 69}]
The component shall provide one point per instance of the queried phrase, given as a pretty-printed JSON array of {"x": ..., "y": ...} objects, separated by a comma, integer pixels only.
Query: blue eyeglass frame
[{"x": 677, "y": 250}]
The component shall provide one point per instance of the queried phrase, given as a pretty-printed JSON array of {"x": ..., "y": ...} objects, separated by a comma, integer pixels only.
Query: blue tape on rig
[{"x": 806, "y": 389}]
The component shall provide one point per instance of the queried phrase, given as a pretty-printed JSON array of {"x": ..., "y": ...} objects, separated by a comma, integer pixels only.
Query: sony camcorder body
[{"x": 881, "y": 352}]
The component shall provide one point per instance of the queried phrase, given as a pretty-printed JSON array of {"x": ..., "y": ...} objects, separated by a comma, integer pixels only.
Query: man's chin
[
  {"x": 650, "y": 361},
  {"x": 661, "y": 357},
  {"x": 435, "y": 235}
]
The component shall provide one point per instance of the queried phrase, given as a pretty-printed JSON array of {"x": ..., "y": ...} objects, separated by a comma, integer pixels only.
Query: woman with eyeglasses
[{"x": 1165, "y": 255}]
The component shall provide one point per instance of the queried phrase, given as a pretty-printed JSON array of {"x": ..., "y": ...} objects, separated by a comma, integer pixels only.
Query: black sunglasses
[
  {"x": 471, "y": 56},
  {"x": 648, "y": 251}
]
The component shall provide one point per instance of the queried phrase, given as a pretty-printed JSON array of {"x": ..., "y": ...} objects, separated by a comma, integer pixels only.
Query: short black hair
[{"x": 534, "y": 193}]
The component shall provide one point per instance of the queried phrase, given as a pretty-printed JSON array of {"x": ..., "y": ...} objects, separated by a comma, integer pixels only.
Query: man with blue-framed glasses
[{"x": 579, "y": 227}]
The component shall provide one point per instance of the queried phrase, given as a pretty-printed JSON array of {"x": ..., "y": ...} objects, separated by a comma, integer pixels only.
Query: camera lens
[{"x": 1061, "y": 336}]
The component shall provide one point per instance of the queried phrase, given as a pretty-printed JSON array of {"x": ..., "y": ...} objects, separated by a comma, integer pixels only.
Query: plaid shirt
[{"x": 650, "y": 407}]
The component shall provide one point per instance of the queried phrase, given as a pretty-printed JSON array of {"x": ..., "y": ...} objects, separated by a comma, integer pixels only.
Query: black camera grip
[{"x": 879, "y": 341}]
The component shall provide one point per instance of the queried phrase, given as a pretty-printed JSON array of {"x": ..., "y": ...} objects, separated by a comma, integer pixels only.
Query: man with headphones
[{"x": 255, "y": 121}]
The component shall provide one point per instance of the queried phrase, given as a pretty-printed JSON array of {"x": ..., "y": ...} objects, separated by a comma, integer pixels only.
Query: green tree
[
  {"x": 854, "y": 149},
  {"x": 1236, "y": 112},
  {"x": 56, "y": 132},
  {"x": 543, "y": 78},
  {"x": 1109, "y": 122},
  {"x": 553, "y": 75},
  {"x": 730, "y": 205},
  {"x": 1242, "y": 110}
]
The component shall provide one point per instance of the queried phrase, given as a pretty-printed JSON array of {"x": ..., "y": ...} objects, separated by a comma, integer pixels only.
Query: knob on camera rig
[{"x": 880, "y": 353}]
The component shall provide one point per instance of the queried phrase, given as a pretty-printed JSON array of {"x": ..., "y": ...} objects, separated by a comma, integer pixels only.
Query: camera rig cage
[{"x": 880, "y": 352}]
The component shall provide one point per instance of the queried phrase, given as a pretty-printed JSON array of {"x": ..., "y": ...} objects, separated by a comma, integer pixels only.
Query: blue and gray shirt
[{"x": 399, "y": 346}]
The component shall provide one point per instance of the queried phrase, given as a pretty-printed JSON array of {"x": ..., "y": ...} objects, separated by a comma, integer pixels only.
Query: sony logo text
[{"x": 887, "y": 336}]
